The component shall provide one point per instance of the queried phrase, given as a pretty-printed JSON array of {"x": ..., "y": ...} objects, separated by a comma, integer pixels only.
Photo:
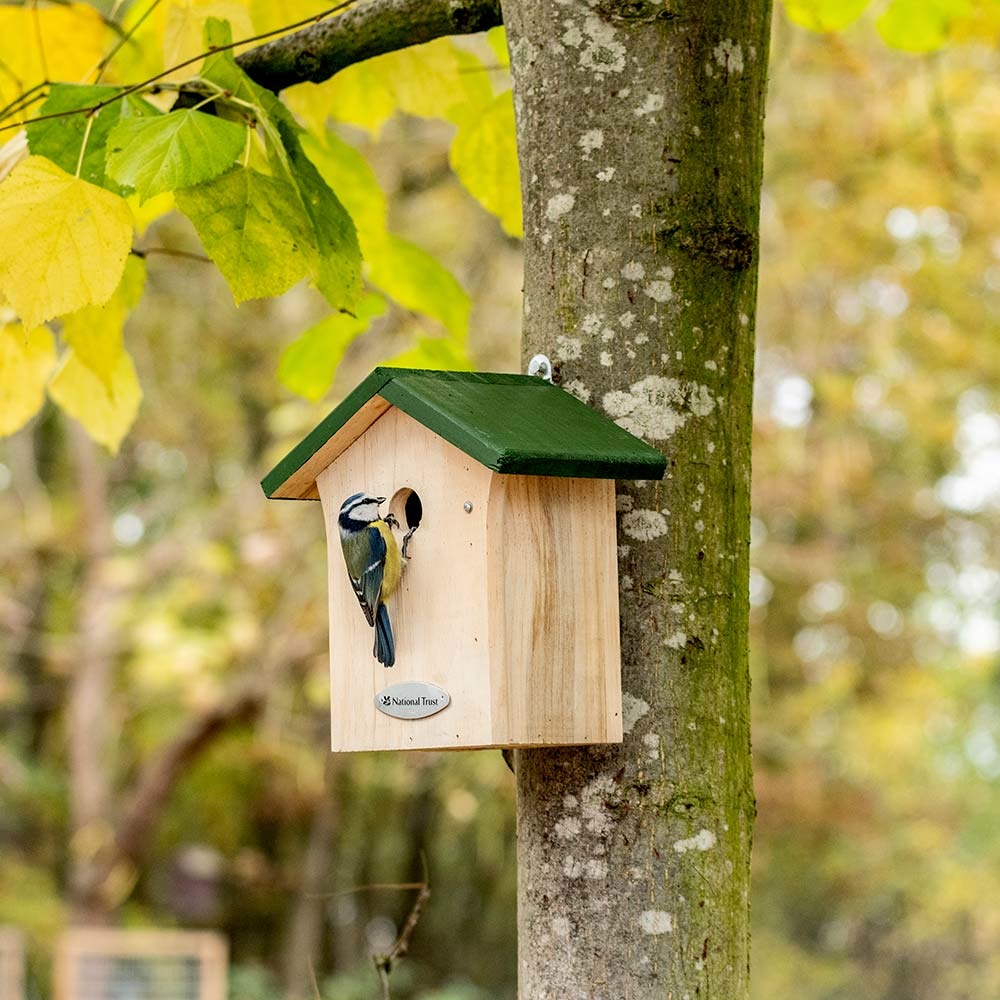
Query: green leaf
[
  {"x": 484, "y": 156},
  {"x": 309, "y": 364},
  {"x": 824, "y": 15},
  {"x": 338, "y": 270},
  {"x": 178, "y": 150},
  {"x": 347, "y": 172},
  {"x": 919, "y": 25},
  {"x": 220, "y": 69},
  {"x": 59, "y": 139},
  {"x": 63, "y": 242},
  {"x": 26, "y": 361},
  {"x": 105, "y": 414},
  {"x": 414, "y": 279},
  {"x": 336, "y": 264},
  {"x": 253, "y": 227},
  {"x": 95, "y": 332}
]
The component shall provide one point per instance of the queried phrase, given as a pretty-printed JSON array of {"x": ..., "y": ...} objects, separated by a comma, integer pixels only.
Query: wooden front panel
[
  {"x": 439, "y": 615},
  {"x": 103, "y": 963},
  {"x": 553, "y": 577}
]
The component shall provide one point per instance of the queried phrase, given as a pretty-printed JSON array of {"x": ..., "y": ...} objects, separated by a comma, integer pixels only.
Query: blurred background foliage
[{"x": 875, "y": 584}]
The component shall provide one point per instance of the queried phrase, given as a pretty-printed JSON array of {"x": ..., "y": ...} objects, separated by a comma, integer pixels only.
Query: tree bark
[
  {"x": 640, "y": 139},
  {"x": 371, "y": 29}
]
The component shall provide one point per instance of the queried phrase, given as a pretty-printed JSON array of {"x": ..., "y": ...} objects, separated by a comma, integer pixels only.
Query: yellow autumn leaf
[
  {"x": 12, "y": 152},
  {"x": 95, "y": 332},
  {"x": 145, "y": 213},
  {"x": 26, "y": 361},
  {"x": 106, "y": 416},
  {"x": 63, "y": 242},
  {"x": 434, "y": 80},
  {"x": 51, "y": 42},
  {"x": 269, "y": 16},
  {"x": 184, "y": 27},
  {"x": 484, "y": 156}
]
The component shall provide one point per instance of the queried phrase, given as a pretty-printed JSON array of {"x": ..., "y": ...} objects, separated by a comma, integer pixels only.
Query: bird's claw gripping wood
[{"x": 406, "y": 542}]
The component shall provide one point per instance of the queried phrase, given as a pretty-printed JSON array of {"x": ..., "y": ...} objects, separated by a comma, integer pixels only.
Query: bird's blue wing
[
  {"x": 364, "y": 553},
  {"x": 369, "y": 585}
]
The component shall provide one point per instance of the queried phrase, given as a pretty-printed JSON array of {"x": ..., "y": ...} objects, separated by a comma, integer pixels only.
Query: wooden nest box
[{"x": 506, "y": 617}]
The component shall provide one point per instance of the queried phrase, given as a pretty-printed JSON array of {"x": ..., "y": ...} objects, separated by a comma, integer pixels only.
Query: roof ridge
[{"x": 548, "y": 432}]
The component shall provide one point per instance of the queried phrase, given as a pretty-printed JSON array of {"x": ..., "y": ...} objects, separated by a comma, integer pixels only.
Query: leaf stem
[
  {"x": 83, "y": 145},
  {"x": 208, "y": 100}
]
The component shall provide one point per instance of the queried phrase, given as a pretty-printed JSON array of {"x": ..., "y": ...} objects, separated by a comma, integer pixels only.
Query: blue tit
[{"x": 373, "y": 564}]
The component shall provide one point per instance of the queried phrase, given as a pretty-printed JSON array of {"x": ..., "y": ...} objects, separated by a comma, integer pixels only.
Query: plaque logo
[{"x": 412, "y": 700}]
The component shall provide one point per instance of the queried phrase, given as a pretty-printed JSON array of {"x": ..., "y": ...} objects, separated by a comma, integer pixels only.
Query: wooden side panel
[
  {"x": 439, "y": 614},
  {"x": 553, "y": 577},
  {"x": 85, "y": 956}
]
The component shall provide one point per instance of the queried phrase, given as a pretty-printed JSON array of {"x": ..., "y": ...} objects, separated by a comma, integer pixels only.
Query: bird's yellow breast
[{"x": 393, "y": 564}]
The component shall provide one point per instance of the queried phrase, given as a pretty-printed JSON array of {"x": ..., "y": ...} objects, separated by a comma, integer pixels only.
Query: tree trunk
[
  {"x": 89, "y": 720},
  {"x": 303, "y": 965},
  {"x": 640, "y": 137}
]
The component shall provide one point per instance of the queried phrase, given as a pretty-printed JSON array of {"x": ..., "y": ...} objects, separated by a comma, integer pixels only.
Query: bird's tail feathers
[{"x": 385, "y": 646}]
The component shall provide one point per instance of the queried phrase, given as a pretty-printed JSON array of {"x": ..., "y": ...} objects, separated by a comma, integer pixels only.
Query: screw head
[{"x": 467, "y": 506}]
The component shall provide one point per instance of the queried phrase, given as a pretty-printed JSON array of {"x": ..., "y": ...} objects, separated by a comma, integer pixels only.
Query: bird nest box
[{"x": 505, "y": 618}]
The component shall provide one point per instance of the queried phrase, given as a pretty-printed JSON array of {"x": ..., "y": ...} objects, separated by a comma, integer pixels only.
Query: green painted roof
[{"x": 517, "y": 424}]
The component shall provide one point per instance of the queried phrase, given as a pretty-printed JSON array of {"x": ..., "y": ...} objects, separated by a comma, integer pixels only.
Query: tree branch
[
  {"x": 316, "y": 53},
  {"x": 401, "y": 947},
  {"x": 158, "y": 778}
]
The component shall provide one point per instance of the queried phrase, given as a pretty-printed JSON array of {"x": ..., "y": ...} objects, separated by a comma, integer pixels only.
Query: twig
[
  {"x": 371, "y": 887},
  {"x": 124, "y": 40},
  {"x": 384, "y": 963},
  {"x": 324, "y": 47},
  {"x": 168, "y": 252},
  {"x": 23, "y": 100},
  {"x": 136, "y": 87}
]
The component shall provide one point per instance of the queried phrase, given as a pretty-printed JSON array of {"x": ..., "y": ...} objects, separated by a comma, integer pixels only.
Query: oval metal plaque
[{"x": 412, "y": 700}]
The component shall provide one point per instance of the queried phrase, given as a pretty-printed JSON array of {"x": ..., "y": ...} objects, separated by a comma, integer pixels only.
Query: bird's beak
[{"x": 379, "y": 499}]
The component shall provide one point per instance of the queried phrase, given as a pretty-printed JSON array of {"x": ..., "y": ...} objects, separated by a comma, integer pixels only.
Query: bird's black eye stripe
[
  {"x": 352, "y": 501},
  {"x": 360, "y": 502}
]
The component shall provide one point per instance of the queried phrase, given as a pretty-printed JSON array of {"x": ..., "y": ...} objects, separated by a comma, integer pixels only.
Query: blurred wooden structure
[
  {"x": 111, "y": 964},
  {"x": 508, "y": 609},
  {"x": 11, "y": 964}
]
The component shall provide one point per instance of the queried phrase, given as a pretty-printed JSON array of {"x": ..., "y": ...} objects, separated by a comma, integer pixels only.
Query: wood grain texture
[
  {"x": 512, "y": 607},
  {"x": 438, "y": 613},
  {"x": 81, "y": 943},
  {"x": 553, "y": 594}
]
